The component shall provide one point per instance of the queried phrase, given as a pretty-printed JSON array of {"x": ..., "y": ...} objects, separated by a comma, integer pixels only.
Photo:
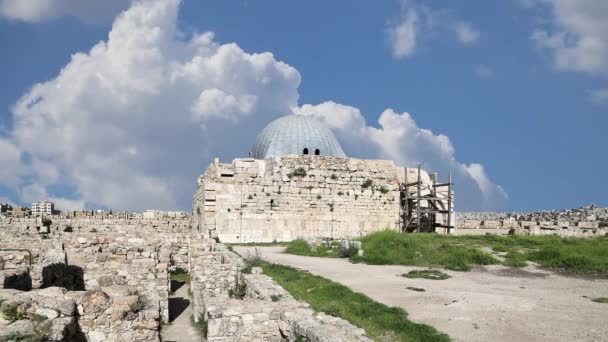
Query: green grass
[
  {"x": 582, "y": 256},
  {"x": 179, "y": 274},
  {"x": 600, "y": 300},
  {"x": 301, "y": 247},
  {"x": 426, "y": 274},
  {"x": 378, "y": 320},
  {"x": 393, "y": 248}
]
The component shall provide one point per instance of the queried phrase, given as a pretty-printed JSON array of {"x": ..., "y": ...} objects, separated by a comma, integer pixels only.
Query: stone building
[{"x": 298, "y": 183}]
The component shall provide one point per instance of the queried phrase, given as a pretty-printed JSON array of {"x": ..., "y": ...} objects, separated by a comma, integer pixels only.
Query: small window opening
[
  {"x": 305, "y": 151},
  {"x": 317, "y": 152}
]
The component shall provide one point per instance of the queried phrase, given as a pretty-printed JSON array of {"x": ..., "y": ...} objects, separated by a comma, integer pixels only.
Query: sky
[{"x": 121, "y": 104}]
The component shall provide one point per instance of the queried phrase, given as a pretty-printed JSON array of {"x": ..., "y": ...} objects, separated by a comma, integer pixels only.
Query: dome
[{"x": 296, "y": 134}]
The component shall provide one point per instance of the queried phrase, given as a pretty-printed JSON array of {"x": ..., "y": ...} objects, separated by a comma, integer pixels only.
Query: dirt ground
[{"x": 491, "y": 303}]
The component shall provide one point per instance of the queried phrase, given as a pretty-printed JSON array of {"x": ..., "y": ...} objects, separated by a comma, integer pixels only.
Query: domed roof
[{"x": 296, "y": 134}]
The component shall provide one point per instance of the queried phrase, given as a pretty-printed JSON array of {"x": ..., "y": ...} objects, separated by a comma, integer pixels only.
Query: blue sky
[{"x": 509, "y": 98}]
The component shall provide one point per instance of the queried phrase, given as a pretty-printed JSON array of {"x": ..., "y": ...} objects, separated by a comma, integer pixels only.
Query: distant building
[
  {"x": 21, "y": 212},
  {"x": 43, "y": 208},
  {"x": 5, "y": 208}
]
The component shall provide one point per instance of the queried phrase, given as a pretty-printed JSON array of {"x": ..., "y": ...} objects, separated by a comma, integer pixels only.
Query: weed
[
  {"x": 340, "y": 193},
  {"x": 333, "y": 176},
  {"x": 250, "y": 197},
  {"x": 200, "y": 325},
  {"x": 239, "y": 290},
  {"x": 299, "y": 172},
  {"x": 417, "y": 289},
  {"x": 383, "y": 190},
  {"x": 367, "y": 183},
  {"x": 11, "y": 313},
  {"x": 515, "y": 259},
  {"x": 426, "y": 274},
  {"x": 600, "y": 300},
  {"x": 276, "y": 298},
  {"x": 140, "y": 305},
  {"x": 318, "y": 197}
]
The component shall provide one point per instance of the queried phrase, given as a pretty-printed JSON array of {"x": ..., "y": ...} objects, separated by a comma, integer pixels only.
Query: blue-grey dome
[{"x": 296, "y": 134}]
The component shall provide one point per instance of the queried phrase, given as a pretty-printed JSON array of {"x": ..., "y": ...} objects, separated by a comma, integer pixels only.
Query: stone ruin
[
  {"x": 109, "y": 280},
  {"x": 302, "y": 196}
]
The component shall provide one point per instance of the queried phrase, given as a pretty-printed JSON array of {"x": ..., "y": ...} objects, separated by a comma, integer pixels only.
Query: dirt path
[
  {"x": 180, "y": 328},
  {"x": 493, "y": 303}
]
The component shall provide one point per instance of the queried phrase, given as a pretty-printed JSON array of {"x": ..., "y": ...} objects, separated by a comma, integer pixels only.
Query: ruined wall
[
  {"x": 561, "y": 228},
  {"x": 294, "y": 197}
]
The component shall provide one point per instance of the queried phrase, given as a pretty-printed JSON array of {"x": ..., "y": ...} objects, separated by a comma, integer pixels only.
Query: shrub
[
  {"x": 333, "y": 176},
  {"x": 367, "y": 183},
  {"x": 340, "y": 193},
  {"x": 299, "y": 172},
  {"x": 318, "y": 197},
  {"x": 383, "y": 190},
  {"x": 250, "y": 197}
]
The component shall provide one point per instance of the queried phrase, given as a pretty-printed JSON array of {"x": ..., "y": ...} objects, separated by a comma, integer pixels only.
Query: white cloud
[
  {"x": 11, "y": 167},
  {"x": 39, "y": 10},
  {"x": 129, "y": 124},
  {"x": 599, "y": 97},
  {"x": 132, "y": 123},
  {"x": 403, "y": 35},
  {"x": 466, "y": 33},
  {"x": 483, "y": 71},
  {"x": 419, "y": 21},
  {"x": 576, "y": 34},
  {"x": 399, "y": 138}
]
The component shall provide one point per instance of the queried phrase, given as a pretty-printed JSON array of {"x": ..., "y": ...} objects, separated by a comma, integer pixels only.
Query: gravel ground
[{"x": 490, "y": 303}]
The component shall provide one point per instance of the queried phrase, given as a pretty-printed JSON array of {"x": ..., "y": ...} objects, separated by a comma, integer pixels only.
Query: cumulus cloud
[
  {"x": 599, "y": 97},
  {"x": 11, "y": 167},
  {"x": 40, "y": 10},
  {"x": 576, "y": 34},
  {"x": 466, "y": 33},
  {"x": 131, "y": 123},
  {"x": 399, "y": 138}
]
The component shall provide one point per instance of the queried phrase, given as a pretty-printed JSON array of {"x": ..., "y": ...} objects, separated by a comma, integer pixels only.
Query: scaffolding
[{"x": 426, "y": 208}]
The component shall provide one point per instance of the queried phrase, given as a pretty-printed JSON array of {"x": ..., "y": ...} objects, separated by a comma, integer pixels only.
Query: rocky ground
[{"x": 493, "y": 303}]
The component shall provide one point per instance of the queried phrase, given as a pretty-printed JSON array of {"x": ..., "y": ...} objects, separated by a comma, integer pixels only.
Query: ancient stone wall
[
  {"x": 292, "y": 197},
  {"x": 265, "y": 313}
]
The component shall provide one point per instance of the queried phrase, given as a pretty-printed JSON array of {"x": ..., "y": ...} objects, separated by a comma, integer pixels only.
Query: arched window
[
  {"x": 317, "y": 152},
  {"x": 305, "y": 151}
]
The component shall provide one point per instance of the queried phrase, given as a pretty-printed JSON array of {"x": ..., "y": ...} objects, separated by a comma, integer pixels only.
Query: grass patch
[
  {"x": 582, "y": 256},
  {"x": 324, "y": 295},
  {"x": 393, "y": 248},
  {"x": 426, "y": 274},
  {"x": 301, "y": 247},
  {"x": 600, "y": 300},
  {"x": 181, "y": 275},
  {"x": 259, "y": 244}
]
